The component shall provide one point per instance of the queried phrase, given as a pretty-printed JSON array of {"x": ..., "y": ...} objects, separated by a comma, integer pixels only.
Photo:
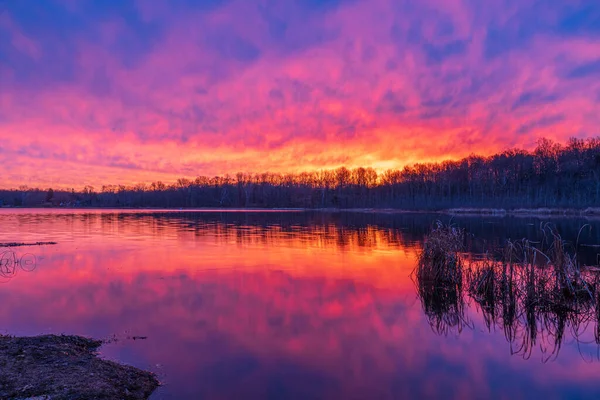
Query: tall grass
[
  {"x": 534, "y": 291},
  {"x": 439, "y": 278},
  {"x": 440, "y": 258}
]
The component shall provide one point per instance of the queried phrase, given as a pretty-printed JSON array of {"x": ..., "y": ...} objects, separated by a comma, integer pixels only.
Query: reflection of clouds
[
  {"x": 257, "y": 329},
  {"x": 262, "y": 328},
  {"x": 266, "y": 305}
]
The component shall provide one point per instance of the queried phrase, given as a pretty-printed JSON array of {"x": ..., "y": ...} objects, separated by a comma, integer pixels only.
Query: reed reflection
[{"x": 537, "y": 293}]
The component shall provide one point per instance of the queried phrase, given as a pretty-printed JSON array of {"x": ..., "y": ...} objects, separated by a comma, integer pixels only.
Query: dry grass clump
[
  {"x": 534, "y": 291},
  {"x": 440, "y": 259},
  {"x": 66, "y": 367},
  {"x": 439, "y": 278},
  {"x": 553, "y": 275}
]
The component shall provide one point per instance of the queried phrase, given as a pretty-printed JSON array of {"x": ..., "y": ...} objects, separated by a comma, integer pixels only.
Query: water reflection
[
  {"x": 538, "y": 297},
  {"x": 534, "y": 309},
  {"x": 444, "y": 305},
  {"x": 278, "y": 305}
]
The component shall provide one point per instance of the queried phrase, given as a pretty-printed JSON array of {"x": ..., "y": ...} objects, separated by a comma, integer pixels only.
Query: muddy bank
[{"x": 66, "y": 367}]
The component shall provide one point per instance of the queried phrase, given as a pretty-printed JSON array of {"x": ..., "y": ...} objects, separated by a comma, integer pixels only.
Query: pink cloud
[{"x": 246, "y": 86}]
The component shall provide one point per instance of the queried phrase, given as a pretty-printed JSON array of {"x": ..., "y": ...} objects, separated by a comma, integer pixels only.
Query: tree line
[{"x": 551, "y": 175}]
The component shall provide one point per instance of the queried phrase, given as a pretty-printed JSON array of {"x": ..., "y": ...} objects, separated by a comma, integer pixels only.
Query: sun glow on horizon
[{"x": 92, "y": 94}]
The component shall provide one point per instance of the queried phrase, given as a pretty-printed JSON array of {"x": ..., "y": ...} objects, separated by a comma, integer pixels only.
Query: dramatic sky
[{"x": 108, "y": 91}]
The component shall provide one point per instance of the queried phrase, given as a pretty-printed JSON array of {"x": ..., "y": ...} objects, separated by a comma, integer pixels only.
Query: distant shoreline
[
  {"x": 466, "y": 211},
  {"x": 491, "y": 212},
  {"x": 559, "y": 212}
]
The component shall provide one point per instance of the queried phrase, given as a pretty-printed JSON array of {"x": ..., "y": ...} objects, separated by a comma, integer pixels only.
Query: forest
[{"x": 552, "y": 175}]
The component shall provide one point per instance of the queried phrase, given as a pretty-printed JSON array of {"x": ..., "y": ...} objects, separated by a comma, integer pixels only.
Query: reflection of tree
[{"x": 537, "y": 298}]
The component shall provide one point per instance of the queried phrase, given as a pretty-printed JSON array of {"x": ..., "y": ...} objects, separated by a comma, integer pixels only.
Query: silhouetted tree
[
  {"x": 552, "y": 175},
  {"x": 49, "y": 195}
]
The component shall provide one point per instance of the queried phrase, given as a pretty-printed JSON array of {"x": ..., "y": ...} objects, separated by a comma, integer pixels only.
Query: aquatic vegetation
[
  {"x": 440, "y": 257},
  {"x": 534, "y": 291},
  {"x": 439, "y": 278}
]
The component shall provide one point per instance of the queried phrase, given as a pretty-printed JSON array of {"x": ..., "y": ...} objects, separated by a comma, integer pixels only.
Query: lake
[{"x": 282, "y": 304}]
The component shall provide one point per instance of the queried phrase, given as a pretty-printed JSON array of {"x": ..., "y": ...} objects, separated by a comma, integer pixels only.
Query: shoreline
[
  {"x": 526, "y": 212},
  {"x": 466, "y": 211},
  {"x": 65, "y": 367}
]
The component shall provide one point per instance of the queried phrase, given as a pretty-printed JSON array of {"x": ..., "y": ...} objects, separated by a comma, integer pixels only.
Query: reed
[
  {"x": 439, "y": 278},
  {"x": 440, "y": 260},
  {"x": 534, "y": 291}
]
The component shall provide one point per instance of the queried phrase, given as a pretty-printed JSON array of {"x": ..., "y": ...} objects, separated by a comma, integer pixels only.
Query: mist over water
[{"x": 295, "y": 304}]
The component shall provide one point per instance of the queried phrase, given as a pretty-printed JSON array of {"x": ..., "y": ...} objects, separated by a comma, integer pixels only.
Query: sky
[{"x": 97, "y": 92}]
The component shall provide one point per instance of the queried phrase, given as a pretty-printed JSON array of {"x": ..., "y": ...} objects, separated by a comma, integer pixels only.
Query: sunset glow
[
  {"x": 321, "y": 306},
  {"x": 102, "y": 92}
]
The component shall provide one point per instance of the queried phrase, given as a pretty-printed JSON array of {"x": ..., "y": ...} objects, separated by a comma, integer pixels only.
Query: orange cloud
[{"x": 152, "y": 92}]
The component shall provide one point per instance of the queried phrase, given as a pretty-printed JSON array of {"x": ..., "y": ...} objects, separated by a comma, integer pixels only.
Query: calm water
[{"x": 278, "y": 305}]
